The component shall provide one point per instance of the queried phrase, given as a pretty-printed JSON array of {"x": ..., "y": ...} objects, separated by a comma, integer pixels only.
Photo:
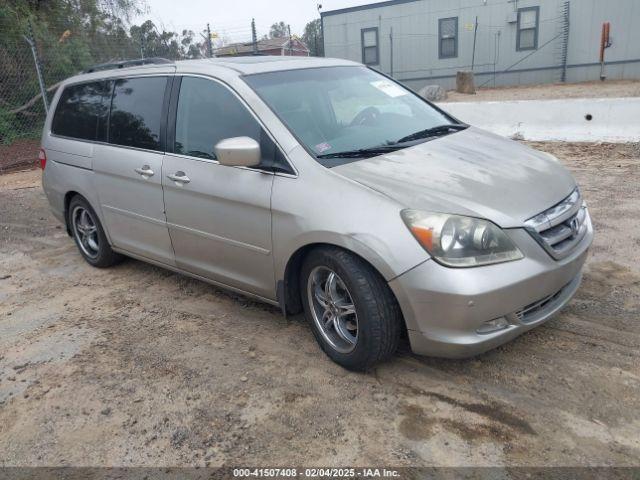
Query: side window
[
  {"x": 82, "y": 111},
  {"x": 448, "y": 35},
  {"x": 370, "y": 52},
  {"x": 528, "y": 24},
  {"x": 209, "y": 112},
  {"x": 136, "y": 112}
]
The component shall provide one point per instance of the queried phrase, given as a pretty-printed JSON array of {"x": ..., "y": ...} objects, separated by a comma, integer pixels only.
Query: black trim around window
[
  {"x": 165, "y": 109},
  {"x": 441, "y": 55},
  {"x": 536, "y": 29},
  {"x": 279, "y": 162},
  {"x": 377, "y": 45},
  {"x": 172, "y": 114}
]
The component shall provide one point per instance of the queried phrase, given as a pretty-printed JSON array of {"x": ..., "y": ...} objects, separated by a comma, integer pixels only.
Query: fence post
[
  {"x": 475, "y": 36},
  {"x": 391, "y": 52},
  {"x": 30, "y": 40}
]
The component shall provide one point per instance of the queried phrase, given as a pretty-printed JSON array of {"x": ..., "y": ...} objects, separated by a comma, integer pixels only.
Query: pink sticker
[{"x": 323, "y": 147}]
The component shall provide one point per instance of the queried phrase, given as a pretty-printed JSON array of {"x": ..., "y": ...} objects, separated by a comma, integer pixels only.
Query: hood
[{"x": 472, "y": 172}]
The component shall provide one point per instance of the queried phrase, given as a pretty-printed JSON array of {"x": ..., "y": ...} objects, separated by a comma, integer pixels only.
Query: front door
[
  {"x": 219, "y": 217},
  {"x": 129, "y": 170}
]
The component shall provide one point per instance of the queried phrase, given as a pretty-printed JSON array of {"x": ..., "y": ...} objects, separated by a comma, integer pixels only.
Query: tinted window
[
  {"x": 82, "y": 111},
  {"x": 136, "y": 112},
  {"x": 207, "y": 113}
]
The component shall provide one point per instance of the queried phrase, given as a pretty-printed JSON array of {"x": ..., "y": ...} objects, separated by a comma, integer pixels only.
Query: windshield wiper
[
  {"x": 392, "y": 147},
  {"x": 362, "y": 152},
  {"x": 438, "y": 131}
]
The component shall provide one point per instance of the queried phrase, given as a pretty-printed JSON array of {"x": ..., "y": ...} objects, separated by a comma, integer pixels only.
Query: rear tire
[
  {"x": 89, "y": 235},
  {"x": 353, "y": 314}
]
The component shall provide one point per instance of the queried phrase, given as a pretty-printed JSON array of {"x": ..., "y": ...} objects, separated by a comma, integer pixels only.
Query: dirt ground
[
  {"x": 135, "y": 365},
  {"x": 597, "y": 89},
  {"x": 23, "y": 153}
]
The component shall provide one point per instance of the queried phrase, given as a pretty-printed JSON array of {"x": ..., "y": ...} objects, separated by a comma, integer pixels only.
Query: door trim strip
[
  {"x": 211, "y": 236},
  {"x": 137, "y": 216}
]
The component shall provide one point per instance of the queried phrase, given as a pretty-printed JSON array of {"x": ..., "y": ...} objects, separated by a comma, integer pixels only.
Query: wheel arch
[
  {"x": 289, "y": 294},
  {"x": 67, "y": 200}
]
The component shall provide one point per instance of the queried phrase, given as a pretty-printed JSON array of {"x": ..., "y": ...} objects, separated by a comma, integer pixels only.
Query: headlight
[{"x": 458, "y": 241}]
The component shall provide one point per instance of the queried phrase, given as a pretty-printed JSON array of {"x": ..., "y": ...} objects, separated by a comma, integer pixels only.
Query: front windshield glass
[{"x": 345, "y": 109}]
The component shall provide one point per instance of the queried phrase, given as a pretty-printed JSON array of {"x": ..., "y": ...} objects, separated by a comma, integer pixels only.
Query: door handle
[
  {"x": 145, "y": 171},
  {"x": 179, "y": 177}
]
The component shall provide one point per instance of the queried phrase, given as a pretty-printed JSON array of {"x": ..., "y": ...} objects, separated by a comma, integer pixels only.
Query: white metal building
[{"x": 423, "y": 42}]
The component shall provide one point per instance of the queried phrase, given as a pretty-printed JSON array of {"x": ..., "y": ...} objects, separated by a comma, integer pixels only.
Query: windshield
[{"x": 347, "y": 109}]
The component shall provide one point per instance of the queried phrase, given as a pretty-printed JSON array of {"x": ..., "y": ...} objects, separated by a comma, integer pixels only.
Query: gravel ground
[
  {"x": 135, "y": 365},
  {"x": 597, "y": 89}
]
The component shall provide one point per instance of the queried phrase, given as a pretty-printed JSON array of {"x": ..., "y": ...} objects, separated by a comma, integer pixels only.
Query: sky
[{"x": 232, "y": 18}]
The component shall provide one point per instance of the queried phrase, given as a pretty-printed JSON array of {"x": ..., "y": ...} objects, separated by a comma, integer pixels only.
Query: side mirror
[{"x": 238, "y": 152}]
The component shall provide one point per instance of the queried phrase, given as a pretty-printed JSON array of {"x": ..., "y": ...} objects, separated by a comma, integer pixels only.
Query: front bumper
[{"x": 445, "y": 307}]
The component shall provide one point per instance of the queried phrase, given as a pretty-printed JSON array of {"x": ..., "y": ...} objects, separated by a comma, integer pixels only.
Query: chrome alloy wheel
[
  {"x": 332, "y": 308},
  {"x": 85, "y": 231}
]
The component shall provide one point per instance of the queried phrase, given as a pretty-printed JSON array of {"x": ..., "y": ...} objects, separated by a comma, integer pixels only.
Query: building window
[
  {"x": 448, "y": 35},
  {"x": 370, "y": 51},
  {"x": 528, "y": 24}
]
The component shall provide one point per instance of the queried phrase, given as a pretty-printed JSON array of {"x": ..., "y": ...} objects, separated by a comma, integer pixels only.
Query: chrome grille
[{"x": 560, "y": 228}]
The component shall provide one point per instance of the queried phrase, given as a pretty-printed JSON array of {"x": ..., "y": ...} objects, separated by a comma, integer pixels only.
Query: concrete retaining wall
[{"x": 581, "y": 120}]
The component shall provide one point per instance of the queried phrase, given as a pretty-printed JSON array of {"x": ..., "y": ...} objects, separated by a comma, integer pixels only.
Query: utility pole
[
  {"x": 290, "y": 46},
  {"x": 254, "y": 36},
  {"x": 209, "y": 43},
  {"x": 475, "y": 36}
]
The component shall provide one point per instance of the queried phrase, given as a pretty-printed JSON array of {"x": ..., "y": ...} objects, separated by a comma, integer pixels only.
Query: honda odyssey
[{"x": 323, "y": 187}]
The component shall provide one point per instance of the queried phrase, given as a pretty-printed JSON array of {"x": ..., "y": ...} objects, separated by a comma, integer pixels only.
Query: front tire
[
  {"x": 353, "y": 314},
  {"x": 89, "y": 235}
]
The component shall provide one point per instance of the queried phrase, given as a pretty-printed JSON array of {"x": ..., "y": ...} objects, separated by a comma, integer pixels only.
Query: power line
[{"x": 525, "y": 57}]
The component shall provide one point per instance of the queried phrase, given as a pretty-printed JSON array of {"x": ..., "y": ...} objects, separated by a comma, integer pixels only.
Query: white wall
[
  {"x": 614, "y": 120},
  {"x": 415, "y": 40}
]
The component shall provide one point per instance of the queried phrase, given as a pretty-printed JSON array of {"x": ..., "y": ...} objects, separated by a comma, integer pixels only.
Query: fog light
[{"x": 493, "y": 326}]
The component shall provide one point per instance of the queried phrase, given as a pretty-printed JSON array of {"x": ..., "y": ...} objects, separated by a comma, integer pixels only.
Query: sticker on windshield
[
  {"x": 389, "y": 88},
  {"x": 323, "y": 147}
]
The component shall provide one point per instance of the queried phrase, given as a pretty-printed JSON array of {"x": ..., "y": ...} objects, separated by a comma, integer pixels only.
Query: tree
[
  {"x": 279, "y": 30},
  {"x": 153, "y": 42},
  {"x": 312, "y": 37},
  {"x": 72, "y": 35}
]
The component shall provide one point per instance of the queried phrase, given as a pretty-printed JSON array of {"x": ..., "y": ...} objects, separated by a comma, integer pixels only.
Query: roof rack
[{"x": 127, "y": 63}]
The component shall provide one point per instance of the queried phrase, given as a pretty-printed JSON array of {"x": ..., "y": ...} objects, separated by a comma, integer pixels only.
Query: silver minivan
[{"x": 323, "y": 187}]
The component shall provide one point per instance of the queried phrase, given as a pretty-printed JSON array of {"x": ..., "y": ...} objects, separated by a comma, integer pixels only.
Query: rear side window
[
  {"x": 82, "y": 111},
  {"x": 136, "y": 112}
]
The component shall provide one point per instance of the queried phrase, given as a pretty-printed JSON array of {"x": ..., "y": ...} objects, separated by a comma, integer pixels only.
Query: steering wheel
[{"x": 365, "y": 117}]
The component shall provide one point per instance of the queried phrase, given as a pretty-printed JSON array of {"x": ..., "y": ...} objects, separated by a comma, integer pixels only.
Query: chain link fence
[
  {"x": 63, "y": 49},
  {"x": 21, "y": 114}
]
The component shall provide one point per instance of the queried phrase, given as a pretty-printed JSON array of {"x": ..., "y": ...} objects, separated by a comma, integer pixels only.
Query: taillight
[{"x": 42, "y": 156}]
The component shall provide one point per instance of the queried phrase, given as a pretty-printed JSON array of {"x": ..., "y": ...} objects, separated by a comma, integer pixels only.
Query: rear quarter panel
[{"x": 68, "y": 169}]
